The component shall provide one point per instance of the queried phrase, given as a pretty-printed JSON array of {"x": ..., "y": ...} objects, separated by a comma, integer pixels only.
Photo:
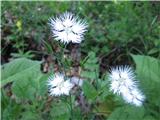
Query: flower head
[
  {"x": 68, "y": 28},
  {"x": 121, "y": 77},
  {"x": 58, "y": 86},
  {"x": 134, "y": 97},
  {"x": 123, "y": 83}
]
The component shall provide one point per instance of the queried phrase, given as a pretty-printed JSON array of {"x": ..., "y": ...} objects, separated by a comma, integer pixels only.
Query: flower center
[
  {"x": 122, "y": 81},
  {"x": 68, "y": 29},
  {"x": 60, "y": 85}
]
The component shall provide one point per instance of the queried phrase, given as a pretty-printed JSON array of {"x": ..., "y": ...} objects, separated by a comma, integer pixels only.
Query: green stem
[
  {"x": 71, "y": 106},
  {"x": 62, "y": 57}
]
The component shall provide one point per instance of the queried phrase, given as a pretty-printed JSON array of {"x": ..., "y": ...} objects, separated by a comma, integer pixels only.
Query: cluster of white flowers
[
  {"x": 58, "y": 85},
  {"x": 123, "y": 83},
  {"x": 68, "y": 28}
]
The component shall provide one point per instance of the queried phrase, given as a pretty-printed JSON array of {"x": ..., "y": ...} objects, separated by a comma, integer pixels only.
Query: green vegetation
[{"x": 119, "y": 33}]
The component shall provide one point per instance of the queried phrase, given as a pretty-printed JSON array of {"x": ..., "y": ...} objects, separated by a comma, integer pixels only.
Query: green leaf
[
  {"x": 28, "y": 81},
  {"x": 48, "y": 47},
  {"x": 153, "y": 51},
  {"x": 77, "y": 115},
  {"x": 32, "y": 112},
  {"x": 89, "y": 91},
  {"x": 89, "y": 74},
  {"x": 91, "y": 67},
  {"x": 60, "y": 111},
  {"x": 129, "y": 113},
  {"x": 30, "y": 87},
  {"x": 147, "y": 69},
  {"x": 105, "y": 107},
  {"x": 30, "y": 115},
  {"x": 18, "y": 69},
  {"x": 9, "y": 107},
  {"x": 11, "y": 111}
]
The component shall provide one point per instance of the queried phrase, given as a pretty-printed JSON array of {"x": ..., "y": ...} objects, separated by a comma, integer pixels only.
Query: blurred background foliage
[
  {"x": 126, "y": 26},
  {"x": 116, "y": 29}
]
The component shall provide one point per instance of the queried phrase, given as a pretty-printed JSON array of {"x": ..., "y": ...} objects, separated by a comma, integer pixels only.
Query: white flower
[
  {"x": 121, "y": 77},
  {"x": 68, "y": 28},
  {"x": 134, "y": 97},
  {"x": 123, "y": 83},
  {"x": 58, "y": 86}
]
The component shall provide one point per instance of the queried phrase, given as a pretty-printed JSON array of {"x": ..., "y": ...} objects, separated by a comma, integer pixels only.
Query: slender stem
[
  {"x": 62, "y": 57},
  {"x": 71, "y": 106}
]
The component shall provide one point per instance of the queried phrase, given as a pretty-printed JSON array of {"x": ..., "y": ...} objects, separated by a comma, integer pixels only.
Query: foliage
[
  {"x": 89, "y": 90},
  {"x": 91, "y": 67},
  {"x": 29, "y": 84},
  {"x": 147, "y": 69},
  {"x": 60, "y": 111},
  {"x": 129, "y": 113},
  {"x": 125, "y": 32},
  {"x": 18, "y": 69}
]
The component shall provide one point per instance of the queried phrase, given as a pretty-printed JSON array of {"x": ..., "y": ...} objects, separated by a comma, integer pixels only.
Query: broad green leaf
[
  {"x": 32, "y": 86},
  {"x": 148, "y": 67},
  {"x": 148, "y": 71},
  {"x": 18, "y": 69},
  {"x": 28, "y": 81},
  {"x": 89, "y": 91}
]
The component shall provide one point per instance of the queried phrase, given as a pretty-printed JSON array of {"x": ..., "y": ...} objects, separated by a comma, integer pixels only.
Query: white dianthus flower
[
  {"x": 68, "y": 28},
  {"x": 121, "y": 77},
  {"x": 134, "y": 96},
  {"x": 58, "y": 86},
  {"x": 123, "y": 83}
]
